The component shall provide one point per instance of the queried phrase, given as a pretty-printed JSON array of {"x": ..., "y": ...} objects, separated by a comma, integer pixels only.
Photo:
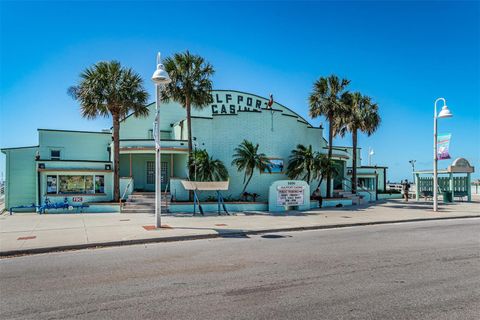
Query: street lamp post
[
  {"x": 195, "y": 157},
  {"x": 444, "y": 113},
  {"x": 160, "y": 78},
  {"x": 412, "y": 162}
]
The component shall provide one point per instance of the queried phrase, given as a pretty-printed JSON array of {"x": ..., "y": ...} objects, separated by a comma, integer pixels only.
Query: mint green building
[{"x": 77, "y": 165}]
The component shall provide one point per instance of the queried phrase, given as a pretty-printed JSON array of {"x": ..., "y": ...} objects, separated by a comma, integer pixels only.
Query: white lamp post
[
  {"x": 444, "y": 113},
  {"x": 412, "y": 162},
  {"x": 370, "y": 155},
  {"x": 160, "y": 78}
]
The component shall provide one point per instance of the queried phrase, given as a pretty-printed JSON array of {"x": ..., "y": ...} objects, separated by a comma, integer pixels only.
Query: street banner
[{"x": 443, "y": 144}]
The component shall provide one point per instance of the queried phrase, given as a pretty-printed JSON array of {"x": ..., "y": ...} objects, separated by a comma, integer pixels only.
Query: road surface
[{"x": 425, "y": 270}]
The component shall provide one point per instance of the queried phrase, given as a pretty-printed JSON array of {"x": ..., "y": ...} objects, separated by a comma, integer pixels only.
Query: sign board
[
  {"x": 443, "y": 144},
  {"x": 77, "y": 199},
  {"x": 205, "y": 185},
  {"x": 290, "y": 195}
]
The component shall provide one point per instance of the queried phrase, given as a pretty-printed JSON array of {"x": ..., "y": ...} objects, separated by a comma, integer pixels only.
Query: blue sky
[{"x": 403, "y": 54}]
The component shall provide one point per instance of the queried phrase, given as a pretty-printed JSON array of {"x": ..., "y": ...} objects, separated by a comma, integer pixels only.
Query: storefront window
[
  {"x": 51, "y": 184},
  {"x": 99, "y": 184},
  {"x": 76, "y": 184}
]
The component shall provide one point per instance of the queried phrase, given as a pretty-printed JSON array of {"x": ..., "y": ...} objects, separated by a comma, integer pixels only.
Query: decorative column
[
  {"x": 469, "y": 187},
  {"x": 452, "y": 186}
]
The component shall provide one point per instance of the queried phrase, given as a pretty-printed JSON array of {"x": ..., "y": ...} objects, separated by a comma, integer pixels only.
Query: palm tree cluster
[
  {"x": 345, "y": 112},
  {"x": 206, "y": 168},
  {"x": 191, "y": 85},
  {"x": 108, "y": 89},
  {"x": 309, "y": 165},
  {"x": 360, "y": 114}
]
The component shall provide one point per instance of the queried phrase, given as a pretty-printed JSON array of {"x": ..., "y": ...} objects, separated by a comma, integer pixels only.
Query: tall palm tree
[
  {"x": 247, "y": 158},
  {"x": 361, "y": 114},
  {"x": 300, "y": 163},
  {"x": 108, "y": 89},
  {"x": 191, "y": 84},
  {"x": 207, "y": 168},
  {"x": 323, "y": 167},
  {"x": 325, "y": 100}
]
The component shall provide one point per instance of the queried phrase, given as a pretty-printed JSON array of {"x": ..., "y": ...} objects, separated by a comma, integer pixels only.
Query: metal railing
[
  {"x": 372, "y": 194},
  {"x": 126, "y": 189}
]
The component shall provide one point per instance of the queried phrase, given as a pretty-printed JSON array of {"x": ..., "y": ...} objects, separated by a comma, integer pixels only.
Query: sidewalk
[{"x": 25, "y": 233}]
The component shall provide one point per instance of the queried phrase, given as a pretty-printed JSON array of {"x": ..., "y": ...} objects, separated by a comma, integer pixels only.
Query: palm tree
[
  {"x": 300, "y": 163},
  {"x": 208, "y": 169},
  {"x": 191, "y": 84},
  {"x": 247, "y": 158},
  {"x": 108, "y": 89},
  {"x": 361, "y": 114},
  {"x": 325, "y": 101},
  {"x": 323, "y": 167}
]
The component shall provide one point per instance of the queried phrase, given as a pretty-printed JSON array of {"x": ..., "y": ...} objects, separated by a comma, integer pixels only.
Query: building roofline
[
  {"x": 252, "y": 94},
  {"x": 75, "y": 131},
  {"x": 346, "y": 147},
  {"x": 14, "y": 148},
  {"x": 373, "y": 167},
  {"x": 258, "y": 96}
]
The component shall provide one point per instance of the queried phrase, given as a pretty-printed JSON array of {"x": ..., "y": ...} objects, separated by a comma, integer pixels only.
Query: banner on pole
[{"x": 443, "y": 144}]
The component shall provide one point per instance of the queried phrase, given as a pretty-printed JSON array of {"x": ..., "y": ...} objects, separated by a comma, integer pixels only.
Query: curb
[{"x": 11, "y": 253}]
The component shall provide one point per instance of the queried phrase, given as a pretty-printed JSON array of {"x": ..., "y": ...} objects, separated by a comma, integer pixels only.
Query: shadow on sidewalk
[{"x": 223, "y": 233}]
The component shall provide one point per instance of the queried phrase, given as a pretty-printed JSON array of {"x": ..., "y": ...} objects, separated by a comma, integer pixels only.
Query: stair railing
[
  {"x": 125, "y": 191},
  {"x": 371, "y": 193}
]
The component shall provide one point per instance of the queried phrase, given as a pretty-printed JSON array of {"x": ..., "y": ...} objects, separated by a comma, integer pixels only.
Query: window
[
  {"x": 150, "y": 134},
  {"x": 99, "y": 184},
  {"x": 51, "y": 184},
  {"x": 54, "y": 154},
  {"x": 73, "y": 184}
]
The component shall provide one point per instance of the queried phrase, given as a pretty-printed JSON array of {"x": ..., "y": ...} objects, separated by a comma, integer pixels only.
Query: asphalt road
[{"x": 426, "y": 270}]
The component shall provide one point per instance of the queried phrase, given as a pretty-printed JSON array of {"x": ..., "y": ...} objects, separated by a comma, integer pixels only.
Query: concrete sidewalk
[{"x": 25, "y": 233}]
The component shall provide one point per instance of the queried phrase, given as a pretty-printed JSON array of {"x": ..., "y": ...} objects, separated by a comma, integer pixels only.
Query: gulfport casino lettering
[{"x": 227, "y": 103}]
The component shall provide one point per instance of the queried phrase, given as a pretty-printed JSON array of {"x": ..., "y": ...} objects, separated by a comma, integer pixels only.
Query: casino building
[{"x": 77, "y": 165}]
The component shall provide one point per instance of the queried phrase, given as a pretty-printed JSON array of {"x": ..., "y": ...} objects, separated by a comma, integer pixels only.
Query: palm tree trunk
[
  {"x": 330, "y": 141},
  {"x": 320, "y": 182},
  {"x": 248, "y": 181},
  {"x": 116, "y": 157},
  {"x": 354, "y": 161},
  {"x": 189, "y": 127}
]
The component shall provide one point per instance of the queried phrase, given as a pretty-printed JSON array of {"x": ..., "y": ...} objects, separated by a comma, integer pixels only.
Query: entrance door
[
  {"x": 338, "y": 179},
  {"x": 164, "y": 176},
  {"x": 150, "y": 183}
]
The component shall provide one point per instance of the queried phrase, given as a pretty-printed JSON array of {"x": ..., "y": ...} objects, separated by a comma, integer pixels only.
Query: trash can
[{"x": 447, "y": 197}]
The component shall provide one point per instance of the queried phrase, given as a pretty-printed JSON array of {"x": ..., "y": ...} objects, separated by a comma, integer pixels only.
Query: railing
[
  {"x": 370, "y": 192},
  {"x": 126, "y": 189}
]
